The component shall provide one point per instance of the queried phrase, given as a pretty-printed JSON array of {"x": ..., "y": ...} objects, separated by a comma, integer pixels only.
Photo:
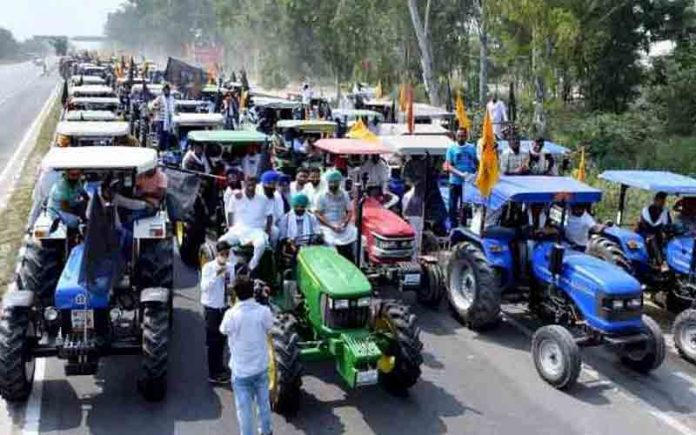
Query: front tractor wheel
[
  {"x": 474, "y": 293},
  {"x": 684, "y": 331},
  {"x": 16, "y": 364},
  {"x": 432, "y": 285},
  {"x": 153, "y": 380},
  {"x": 556, "y": 356},
  {"x": 396, "y": 321},
  {"x": 285, "y": 367},
  {"x": 649, "y": 355}
]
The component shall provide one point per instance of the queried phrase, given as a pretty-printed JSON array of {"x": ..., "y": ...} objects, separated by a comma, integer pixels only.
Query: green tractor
[{"x": 325, "y": 310}]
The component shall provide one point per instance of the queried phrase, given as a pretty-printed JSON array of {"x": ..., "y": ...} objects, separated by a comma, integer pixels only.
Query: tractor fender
[
  {"x": 678, "y": 254},
  {"x": 153, "y": 227},
  {"x": 496, "y": 248},
  {"x": 47, "y": 228},
  {"x": 632, "y": 243},
  {"x": 154, "y": 294},
  {"x": 18, "y": 298}
]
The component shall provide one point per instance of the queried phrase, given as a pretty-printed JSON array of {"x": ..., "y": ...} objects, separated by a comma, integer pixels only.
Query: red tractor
[{"x": 386, "y": 246}]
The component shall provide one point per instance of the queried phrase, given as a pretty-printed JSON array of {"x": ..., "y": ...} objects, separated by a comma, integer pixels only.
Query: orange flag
[
  {"x": 410, "y": 114},
  {"x": 488, "y": 174}
]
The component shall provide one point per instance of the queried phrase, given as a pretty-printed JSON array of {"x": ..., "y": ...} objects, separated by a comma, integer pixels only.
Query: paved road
[
  {"x": 478, "y": 384},
  {"x": 23, "y": 92}
]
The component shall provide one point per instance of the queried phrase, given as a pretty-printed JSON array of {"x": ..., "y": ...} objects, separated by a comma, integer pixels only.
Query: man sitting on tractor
[
  {"x": 513, "y": 161},
  {"x": 653, "y": 222},
  {"x": 333, "y": 209},
  {"x": 268, "y": 188},
  {"x": 196, "y": 160},
  {"x": 250, "y": 219},
  {"x": 578, "y": 226},
  {"x": 68, "y": 199},
  {"x": 298, "y": 225},
  {"x": 540, "y": 162}
]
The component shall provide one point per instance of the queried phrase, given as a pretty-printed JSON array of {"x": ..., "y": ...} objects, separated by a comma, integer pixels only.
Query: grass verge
[{"x": 14, "y": 216}]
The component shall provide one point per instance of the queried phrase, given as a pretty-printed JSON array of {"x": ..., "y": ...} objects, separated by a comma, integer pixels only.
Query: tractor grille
[{"x": 353, "y": 317}]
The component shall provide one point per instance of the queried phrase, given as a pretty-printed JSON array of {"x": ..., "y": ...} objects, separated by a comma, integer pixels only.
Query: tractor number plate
[
  {"x": 368, "y": 377},
  {"x": 411, "y": 279},
  {"x": 78, "y": 318}
]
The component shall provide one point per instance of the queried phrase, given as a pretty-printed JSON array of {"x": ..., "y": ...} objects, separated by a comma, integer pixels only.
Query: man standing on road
[
  {"x": 216, "y": 277},
  {"x": 246, "y": 326},
  {"x": 462, "y": 163}
]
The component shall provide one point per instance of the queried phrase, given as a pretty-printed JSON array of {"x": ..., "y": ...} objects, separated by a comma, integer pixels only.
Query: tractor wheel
[
  {"x": 646, "y": 357},
  {"x": 474, "y": 294},
  {"x": 285, "y": 368},
  {"x": 684, "y": 331},
  {"x": 609, "y": 251},
  {"x": 153, "y": 381},
  {"x": 556, "y": 356},
  {"x": 397, "y": 321},
  {"x": 40, "y": 269},
  {"x": 16, "y": 364},
  {"x": 155, "y": 268},
  {"x": 431, "y": 289}
]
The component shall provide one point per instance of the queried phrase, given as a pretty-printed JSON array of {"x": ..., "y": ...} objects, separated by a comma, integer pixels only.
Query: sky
[{"x": 25, "y": 18}]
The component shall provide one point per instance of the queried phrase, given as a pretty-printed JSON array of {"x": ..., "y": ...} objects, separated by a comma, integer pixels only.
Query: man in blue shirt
[{"x": 461, "y": 163}]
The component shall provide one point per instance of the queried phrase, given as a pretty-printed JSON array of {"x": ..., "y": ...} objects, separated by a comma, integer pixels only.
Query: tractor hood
[
  {"x": 383, "y": 222},
  {"x": 331, "y": 273},
  {"x": 582, "y": 269}
]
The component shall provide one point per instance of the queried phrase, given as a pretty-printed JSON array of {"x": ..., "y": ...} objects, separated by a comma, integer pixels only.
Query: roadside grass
[{"x": 13, "y": 218}]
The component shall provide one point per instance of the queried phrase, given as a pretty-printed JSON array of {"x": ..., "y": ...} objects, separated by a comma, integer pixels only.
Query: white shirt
[
  {"x": 213, "y": 285},
  {"x": 249, "y": 212},
  {"x": 246, "y": 326},
  {"x": 577, "y": 228},
  {"x": 276, "y": 204},
  {"x": 250, "y": 164},
  {"x": 308, "y": 189},
  {"x": 377, "y": 173},
  {"x": 497, "y": 111}
]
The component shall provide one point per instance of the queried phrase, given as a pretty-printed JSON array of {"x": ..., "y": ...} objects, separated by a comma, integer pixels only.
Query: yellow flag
[
  {"x": 360, "y": 131},
  {"x": 460, "y": 111},
  {"x": 402, "y": 97},
  {"x": 378, "y": 90},
  {"x": 488, "y": 174},
  {"x": 580, "y": 172},
  {"x": 243, "y": 100}
]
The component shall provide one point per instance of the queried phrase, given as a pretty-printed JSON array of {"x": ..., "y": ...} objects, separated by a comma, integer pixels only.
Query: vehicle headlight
[
  {"x": 633, "y": 244},
  {"x": 364, "y": 302},
  {"x": 340, "y": 304},
  {"x": 617, "y": 304},
  {"x": 634, "y": 303},
  {"x": 50, "y": 314}
]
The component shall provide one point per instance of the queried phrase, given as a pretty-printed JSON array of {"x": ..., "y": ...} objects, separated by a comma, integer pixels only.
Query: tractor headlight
[
  {"x": 364, "y": 302},
  {"x": 340, "y": 304},
  {"x": 634, "y": 303},
  {"x": 617, "y": 304},
  {"x": 50, "y": 314},
  {"x": 633, "y": 244}
]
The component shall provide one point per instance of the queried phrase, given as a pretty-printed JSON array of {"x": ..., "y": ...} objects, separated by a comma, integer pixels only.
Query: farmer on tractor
[
  {"x": 298, "y": 226},
  {"x": 579, "y": 225},
  {"x": 269, "y": 190},
  {"x": 67, "y": 199},
  {"x": 250, "y": 219},
  {"x": 334, "y": 211},
  {"x": 377, "y": 175},
  {"x": 461, "y": 162},
  {"x": 655, "y": 218}
]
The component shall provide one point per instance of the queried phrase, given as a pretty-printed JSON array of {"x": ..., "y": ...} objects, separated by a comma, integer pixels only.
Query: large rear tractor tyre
[
  {"x": 556, "y": 356},
  {"x": 40, "y": 269},
  {"x": 285, "y": 368},
  {"x": 152, "y": 383},
  {"x": 432, "y": 285},
  {"x": 647, "y": 356},
  {"x": 684, "y": 331},
  {"x": 609, "y": 251},
  {"x": 16, "y": 364},
  {"x": 155, "y": 268},
  {"x": 474, "y": 293},
  {"x": 396, "y": 320}
]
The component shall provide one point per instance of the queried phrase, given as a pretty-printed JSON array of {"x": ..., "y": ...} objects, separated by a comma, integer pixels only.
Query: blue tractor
[
  {"x": 508, "y": 253},
  {"x": 96, "y": 289},
  {"x": 666, "y": 267}
]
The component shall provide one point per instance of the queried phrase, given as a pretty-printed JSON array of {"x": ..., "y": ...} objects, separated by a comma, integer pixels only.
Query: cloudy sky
[{"x": 25, "y": 18}]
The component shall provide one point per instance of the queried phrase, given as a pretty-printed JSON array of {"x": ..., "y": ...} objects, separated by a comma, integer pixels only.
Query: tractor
[
  {"x": 504, "y": 255},
  {"x": 325, "y": 310},
  {"x": 285, "y": 158},
  {"x": 386, "y": 248},
  {"x": 92, "y": 133},
  {"x": 103, "y": 288},
  {"x": 667, "y": 269}
]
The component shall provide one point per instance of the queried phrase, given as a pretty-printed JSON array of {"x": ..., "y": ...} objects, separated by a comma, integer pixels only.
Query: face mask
[
  {"x": 333, "y": 188},
  {"x": 299, "y": 212}
]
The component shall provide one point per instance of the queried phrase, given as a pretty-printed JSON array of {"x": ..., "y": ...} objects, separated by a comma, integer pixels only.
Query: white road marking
[
  {"x": 595, "y": 376},
  {"x": 10, "y": 173},
  {"x": 32, "y": 416}
]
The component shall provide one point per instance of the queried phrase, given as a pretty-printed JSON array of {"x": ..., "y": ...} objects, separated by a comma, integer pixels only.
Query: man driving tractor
[
  {"x": 334, "y": 211},
  {"x": 298, "y": 225},
  {"x": 67, "y": 199}
]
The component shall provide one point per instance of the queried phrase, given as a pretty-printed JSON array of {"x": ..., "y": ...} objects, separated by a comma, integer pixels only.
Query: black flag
[{"x": 101, "y": 256}]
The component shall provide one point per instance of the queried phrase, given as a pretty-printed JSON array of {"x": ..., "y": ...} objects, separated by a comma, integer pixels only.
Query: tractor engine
[{"x": 389, "y": 239}]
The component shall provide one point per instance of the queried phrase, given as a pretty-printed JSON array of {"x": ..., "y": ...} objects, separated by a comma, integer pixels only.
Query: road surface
[
  {"x": 23, "y": 92},
  {"x": 471, "y": 383}
]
